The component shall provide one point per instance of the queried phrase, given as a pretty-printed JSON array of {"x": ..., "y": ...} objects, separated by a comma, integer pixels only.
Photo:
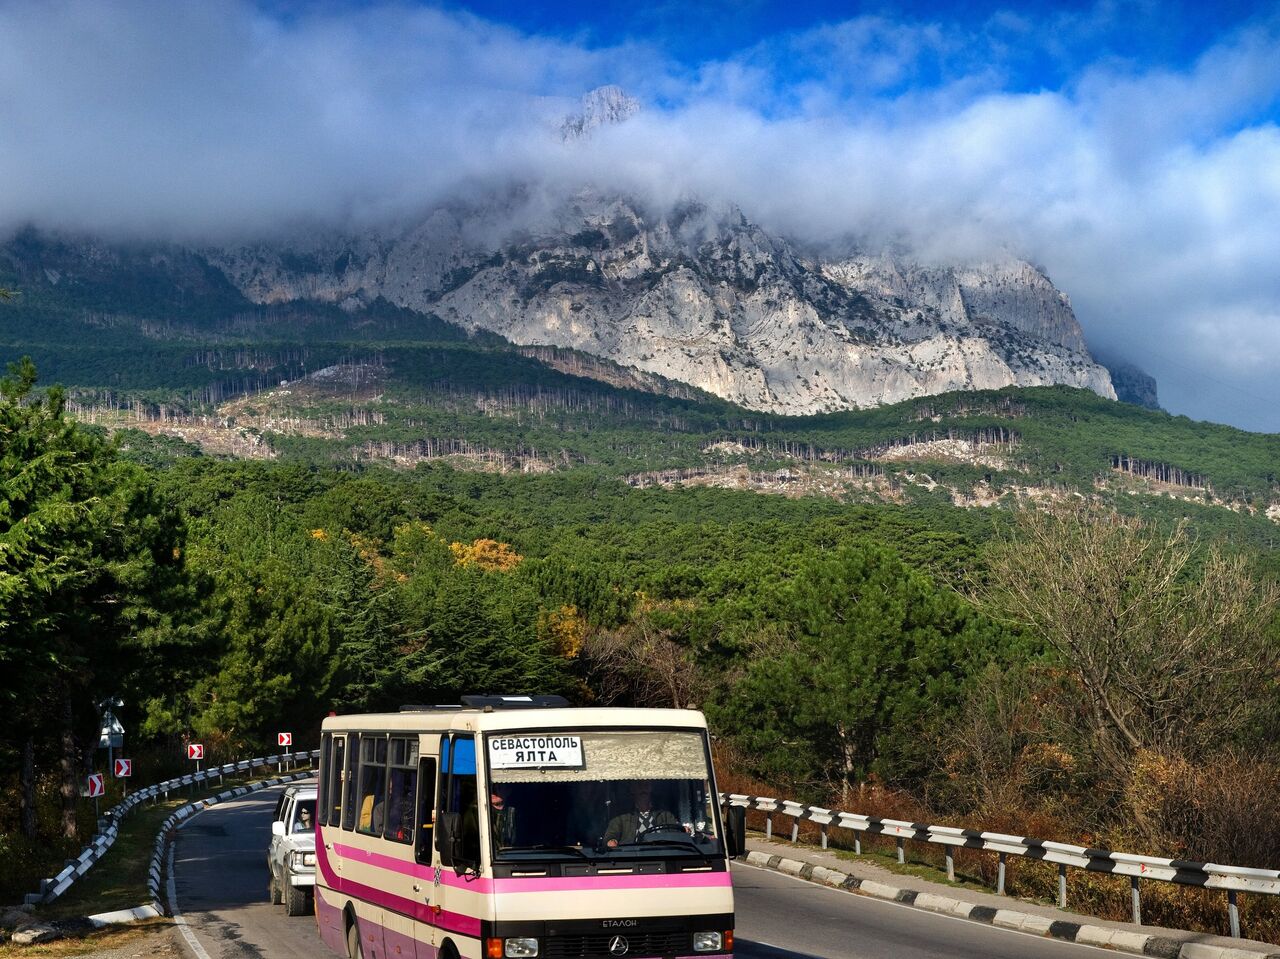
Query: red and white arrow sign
[
  {"x": 123, "y": 768},
  {"x": 195, "y": 750},
  {"x": 284, "y": 739},
  {"x": 97, "y": 786}
]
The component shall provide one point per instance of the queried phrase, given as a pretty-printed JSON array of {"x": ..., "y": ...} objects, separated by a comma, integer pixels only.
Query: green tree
[
  {"x": 88, "y": 556},
  {"x": 856, "y": 654}
]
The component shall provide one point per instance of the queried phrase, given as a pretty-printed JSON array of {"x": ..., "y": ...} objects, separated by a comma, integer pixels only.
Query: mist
[{"x": 1152, "y": 198}]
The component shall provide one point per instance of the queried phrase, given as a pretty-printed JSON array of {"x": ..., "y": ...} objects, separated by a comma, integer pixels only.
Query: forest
[{"x": 1010, "y": 668}]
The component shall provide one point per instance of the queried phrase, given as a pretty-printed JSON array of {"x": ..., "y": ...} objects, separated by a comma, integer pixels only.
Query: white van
[{"x": 514, "y": 826}]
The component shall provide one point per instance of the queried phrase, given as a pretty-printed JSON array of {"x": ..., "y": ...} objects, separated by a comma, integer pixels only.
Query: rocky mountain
[
  {"x": 699, "y": 295},
  {"x": 692, "y": 292},
  {"x": 1132, "y": 385}
]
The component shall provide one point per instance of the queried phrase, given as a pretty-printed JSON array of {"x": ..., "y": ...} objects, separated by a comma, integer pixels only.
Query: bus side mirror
[
  {"x": 446, "y": 829},
  {"x": 736, "y": 831}
]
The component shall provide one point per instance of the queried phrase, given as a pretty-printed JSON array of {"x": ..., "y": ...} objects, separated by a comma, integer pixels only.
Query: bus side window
[
  {"x": 426, "y": 810},
  {"x": 402, "y": 785},
  {"x": 322, "y": 797},
  {"x": 458, "y": 798},
  {"x": 373, "y": 785},
  {"x": 349, "y": 783},
  {"x": 463, "y": 798},
  {"x": 334, "y": 774}
]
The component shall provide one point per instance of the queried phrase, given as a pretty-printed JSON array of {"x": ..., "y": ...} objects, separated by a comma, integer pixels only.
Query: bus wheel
[{"x": 353, "y": 941}]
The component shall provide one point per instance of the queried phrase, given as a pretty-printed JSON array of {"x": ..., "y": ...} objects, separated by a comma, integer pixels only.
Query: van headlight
[
  {"x": 303, "y": 860},
  {"x": 520, "y": 948},
  {"x": 708, "y": 942}
]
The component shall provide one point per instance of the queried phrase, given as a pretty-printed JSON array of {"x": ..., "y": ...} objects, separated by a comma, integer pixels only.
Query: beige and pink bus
[{"x": 516, "y": 826}]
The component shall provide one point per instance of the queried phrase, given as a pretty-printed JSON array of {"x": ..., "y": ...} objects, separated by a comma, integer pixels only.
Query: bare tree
[
  {"x": 1169, "y": 655},
  {"x": 640, "y": 664}
]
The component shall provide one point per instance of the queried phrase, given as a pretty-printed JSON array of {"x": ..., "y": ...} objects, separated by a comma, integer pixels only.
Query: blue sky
[
  {"x": 691, "y": 32},
  {"x": 1132, "y": 149}
]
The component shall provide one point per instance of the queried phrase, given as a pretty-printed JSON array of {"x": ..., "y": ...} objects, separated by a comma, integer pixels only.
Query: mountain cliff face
[{"x": 702, "y": 296}]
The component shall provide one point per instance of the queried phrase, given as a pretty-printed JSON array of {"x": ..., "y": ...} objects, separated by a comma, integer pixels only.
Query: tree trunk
[
  {"x": 27, "y": 789},
  {"x": 70, "y": 772},
  {"x": 846, "y": 762}
]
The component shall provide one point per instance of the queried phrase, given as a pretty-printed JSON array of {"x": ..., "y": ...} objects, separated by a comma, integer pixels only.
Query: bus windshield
[{"x": 601, "y": 794}]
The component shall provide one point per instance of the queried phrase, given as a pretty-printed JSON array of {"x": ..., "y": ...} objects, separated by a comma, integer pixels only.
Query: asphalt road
[{"x": 220, "y": 878}]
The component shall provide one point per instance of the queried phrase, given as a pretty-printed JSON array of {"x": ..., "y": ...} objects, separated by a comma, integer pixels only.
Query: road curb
[{"x": 1121, "y": 940}]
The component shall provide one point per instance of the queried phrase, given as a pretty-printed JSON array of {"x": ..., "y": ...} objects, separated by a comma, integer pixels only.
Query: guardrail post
[
  {"x": 1062, "y": 885},
  {"x": 795, "y": 830},
  {"x": 1233, "y": 913},
  {"x": 824, "y": 835},
  {"x": 902, "y": 858},
  {"x": 768, "y": 825},
  {"x": 1135, "y": 900},
  {"x": 857, "y": 844},
  {"x": 951, "y": 864},
  {"x": 1000, "y": 876}
]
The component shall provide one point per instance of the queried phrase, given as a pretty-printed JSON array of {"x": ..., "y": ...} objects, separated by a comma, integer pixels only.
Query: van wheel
[
  {"x": 295, "y": 900},
  {"x": 273, "y": 890},
  {"x": 353, "y": 941}
]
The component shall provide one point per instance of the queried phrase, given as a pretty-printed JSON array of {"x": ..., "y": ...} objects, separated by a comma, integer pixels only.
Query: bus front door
[{"x": 457, "y": 903}]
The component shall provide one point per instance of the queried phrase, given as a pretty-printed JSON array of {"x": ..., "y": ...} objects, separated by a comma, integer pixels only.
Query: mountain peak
[{"x": 603, "y": 105}]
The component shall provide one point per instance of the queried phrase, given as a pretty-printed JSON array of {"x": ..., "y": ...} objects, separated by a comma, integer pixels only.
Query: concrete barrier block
[
  {"x": 1008, "y": 919},
  {"x": 791, "y": 867},
  {"x": 828, "y": 877},
  {"x": 879, "y": 890},
  {"x": 927, "y": 900},
  {"x": 1040, "y": 925},
  {"x": 1202, "y": 950},
  {"x": 1094, "y": 936},
  {"x": 1129, "y": 941}
]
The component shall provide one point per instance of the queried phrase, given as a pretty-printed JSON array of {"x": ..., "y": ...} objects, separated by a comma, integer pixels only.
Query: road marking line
[
  {"x": 178, "y": 917},
  {"x": 927, "y": 912}
]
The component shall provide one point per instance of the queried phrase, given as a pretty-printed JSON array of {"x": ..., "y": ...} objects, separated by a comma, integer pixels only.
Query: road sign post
[
  {"x": 283, "y": 739},
  {"x": 97, "y": 786},
  {"x": 123, "y": 769},
  {"x": 195, "y": 751}
]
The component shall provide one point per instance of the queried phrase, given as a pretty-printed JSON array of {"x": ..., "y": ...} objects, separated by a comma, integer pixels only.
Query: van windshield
[{"x": 601, "y": 794}]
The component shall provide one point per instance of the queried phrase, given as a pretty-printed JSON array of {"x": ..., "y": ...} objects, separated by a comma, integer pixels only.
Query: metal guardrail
[
  {"x": 109, "y": 824},
  {"x": 1203, "y": 875}
]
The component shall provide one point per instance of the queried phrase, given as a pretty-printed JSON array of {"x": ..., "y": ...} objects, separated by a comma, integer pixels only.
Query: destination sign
[{"x": 535, "y": 752}]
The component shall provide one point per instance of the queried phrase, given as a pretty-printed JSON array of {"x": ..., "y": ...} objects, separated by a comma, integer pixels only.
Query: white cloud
[{"x": 1153, "y": 198}]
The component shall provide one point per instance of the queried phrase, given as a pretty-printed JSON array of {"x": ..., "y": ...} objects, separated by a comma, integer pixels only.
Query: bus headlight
[
  {"x": 707, "y": 942},
  {"x": 520, "y": 948}
]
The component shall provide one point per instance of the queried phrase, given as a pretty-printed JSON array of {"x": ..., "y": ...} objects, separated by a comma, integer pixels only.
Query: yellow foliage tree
[
  {"x": 486, "y": 554},
  {"x": 564, "y": 628}
]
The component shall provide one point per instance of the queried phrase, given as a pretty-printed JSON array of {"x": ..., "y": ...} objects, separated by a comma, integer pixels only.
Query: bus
[{"x": 516, "y": 826}]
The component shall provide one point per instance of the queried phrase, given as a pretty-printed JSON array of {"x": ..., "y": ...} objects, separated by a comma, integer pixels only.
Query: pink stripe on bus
[
  {"x": 688, "y": 880},
  {"x": 421, "y": 911},
  {"x": 698, "y": 880}
]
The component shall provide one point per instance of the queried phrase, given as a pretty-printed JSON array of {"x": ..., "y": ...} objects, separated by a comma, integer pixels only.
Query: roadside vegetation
[{"x": 1069, "y": 672}]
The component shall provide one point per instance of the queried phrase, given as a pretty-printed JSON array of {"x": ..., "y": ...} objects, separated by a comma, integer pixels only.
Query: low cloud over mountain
[{"x": 1150, "y": 195}]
